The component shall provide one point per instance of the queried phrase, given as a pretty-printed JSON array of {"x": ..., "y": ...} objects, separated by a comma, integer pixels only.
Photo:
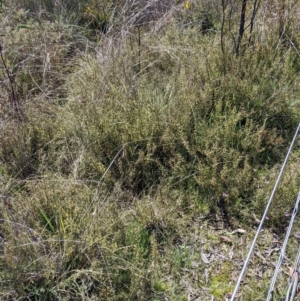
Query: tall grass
[{"x": 142, "y": 131}]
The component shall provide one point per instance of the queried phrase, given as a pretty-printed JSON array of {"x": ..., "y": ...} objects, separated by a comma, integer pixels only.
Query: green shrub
[
  {"x": 214, "y": 138},
  {"x": 130, "y": 141}
]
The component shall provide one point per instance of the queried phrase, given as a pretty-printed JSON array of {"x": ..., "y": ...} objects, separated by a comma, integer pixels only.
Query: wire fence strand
[
  {"x": 283, "y": 248},
  {"x": 294, "y": 279},
  {"x": 246, "y": 263}
]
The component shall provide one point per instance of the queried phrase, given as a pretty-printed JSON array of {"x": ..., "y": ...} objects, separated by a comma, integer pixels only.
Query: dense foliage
[{"x": 130, "y": 130}]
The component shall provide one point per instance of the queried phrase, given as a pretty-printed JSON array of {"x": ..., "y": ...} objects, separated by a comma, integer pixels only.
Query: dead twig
[{"x": 14, "y": 99}]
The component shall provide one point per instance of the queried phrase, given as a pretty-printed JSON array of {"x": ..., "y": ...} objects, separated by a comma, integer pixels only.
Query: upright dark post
[{"x": 242, "y": 27}]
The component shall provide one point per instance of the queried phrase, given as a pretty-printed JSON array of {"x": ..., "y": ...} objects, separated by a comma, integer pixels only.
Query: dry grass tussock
[{"x": 139, "y": 145}]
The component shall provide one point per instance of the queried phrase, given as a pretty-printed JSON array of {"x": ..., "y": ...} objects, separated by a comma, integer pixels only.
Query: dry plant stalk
[{"x": 13, "y": 97}]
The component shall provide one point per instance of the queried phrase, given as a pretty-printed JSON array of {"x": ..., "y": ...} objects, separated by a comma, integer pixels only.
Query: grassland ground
[{"x": 139, "y": 145}]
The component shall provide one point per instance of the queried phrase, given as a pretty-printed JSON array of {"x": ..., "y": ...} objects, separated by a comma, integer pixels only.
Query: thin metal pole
[
  {"x": 264, "y": 217},
  {"x": 294, "y": 279},
  {"x": 282, "y": 252}
]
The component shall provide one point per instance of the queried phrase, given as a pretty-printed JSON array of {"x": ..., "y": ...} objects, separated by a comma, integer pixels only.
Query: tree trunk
[{"x": 242, "y": 27}]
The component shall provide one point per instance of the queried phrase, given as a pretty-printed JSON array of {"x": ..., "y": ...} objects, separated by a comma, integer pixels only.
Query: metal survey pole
[{"x": 264, "y": 216}]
